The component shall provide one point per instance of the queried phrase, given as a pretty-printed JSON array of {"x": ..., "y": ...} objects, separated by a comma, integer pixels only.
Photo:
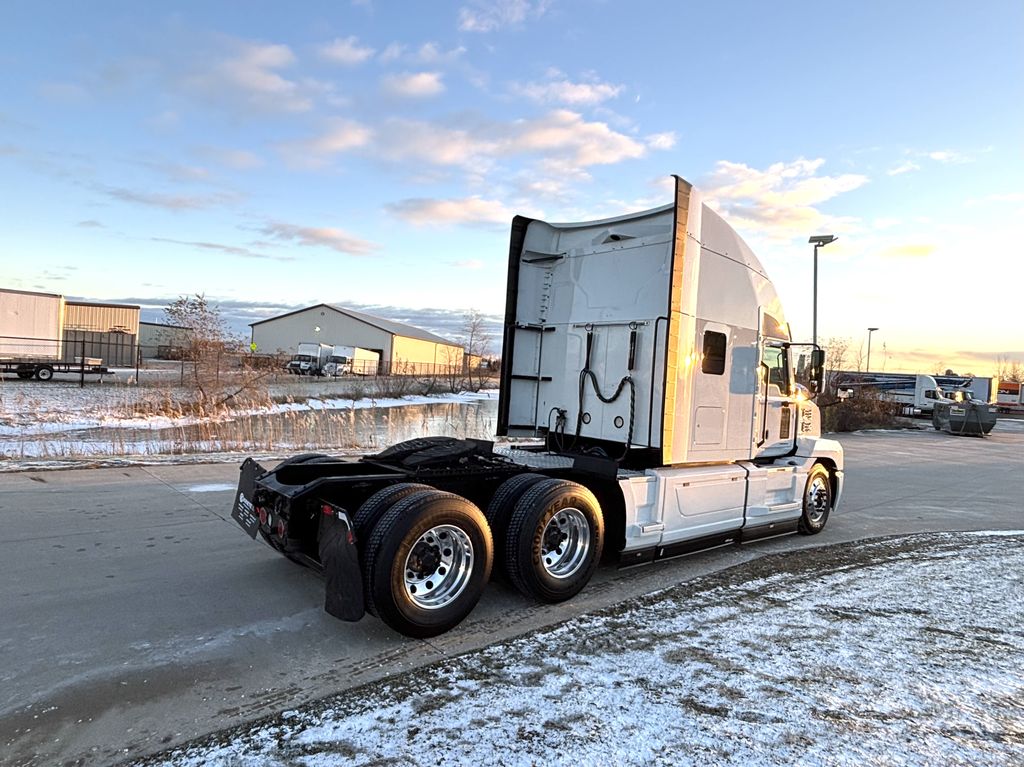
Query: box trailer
[
  {"x": 649, "y": 358},
  {"x": 351, "y": 360}
]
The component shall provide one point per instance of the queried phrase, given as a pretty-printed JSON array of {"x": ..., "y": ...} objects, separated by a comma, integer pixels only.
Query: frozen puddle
[{"x": 901, "y": 651}]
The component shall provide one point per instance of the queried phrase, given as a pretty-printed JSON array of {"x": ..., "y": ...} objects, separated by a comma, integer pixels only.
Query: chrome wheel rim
[
  {"x": 565, "y": 543},
  {"x": 816, "y": 499},
  {"x": 438, "y": 567}
]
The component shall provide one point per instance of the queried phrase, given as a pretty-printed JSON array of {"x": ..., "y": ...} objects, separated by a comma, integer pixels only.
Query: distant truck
[
  {"x": 309, "y": 359},
  {"x": 915, "y": 391},
  {"x": 1010, "y": 397},
  {"x": 351, "y": 360},
  {"x": 648, "y": 361}
]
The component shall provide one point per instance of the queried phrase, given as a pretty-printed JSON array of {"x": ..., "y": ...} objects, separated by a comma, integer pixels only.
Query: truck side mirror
[{"x": 817, "y": 371}]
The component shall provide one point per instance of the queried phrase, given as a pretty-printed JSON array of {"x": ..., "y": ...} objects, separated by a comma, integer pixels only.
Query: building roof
[
  {"x": 101, "y": 304},
  {"x": 388, "y": 326},
  {"x": 165, "y": 325}
]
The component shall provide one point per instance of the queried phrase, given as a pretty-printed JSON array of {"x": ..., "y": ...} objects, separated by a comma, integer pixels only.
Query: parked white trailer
[
  {"x": 918, "y": 392},
  {"x": 650, "y": 358},
  {"x": 31, "y": 326},
  {"x": 1010, "y": 397},
  {"x": 309, "y": 359},
  {"x": 351, "y": 360}
]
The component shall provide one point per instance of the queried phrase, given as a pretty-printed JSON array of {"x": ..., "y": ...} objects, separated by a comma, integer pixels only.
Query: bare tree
[
  {"x": 1010, "y": 370},
  {"x": 476, "y": 340},
  {"x": 207, "y": 339}
]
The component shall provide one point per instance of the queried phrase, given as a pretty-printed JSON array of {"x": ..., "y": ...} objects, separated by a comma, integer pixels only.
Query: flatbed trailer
[
  {"x": 647, "y": 359},
  {"x": 43, "y": 370}
]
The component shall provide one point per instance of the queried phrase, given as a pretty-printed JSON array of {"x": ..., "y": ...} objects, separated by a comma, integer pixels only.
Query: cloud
[
  {"x": 166, "y": 201},
  {"x": 661, "y": 141},
  {"x": 483, "y": 16},
  {"x": 232, "y": 250},
  {"x": 567, "y": 136},
  {"x": 322, "y": 237},
  {"x": 432, "y": 53},
  {"x": 563, "y": 91},
  {"x": 346, "y": 51},
  {"x": 414, "y": 84},
  {"x": 251, "y": 77},
  {"x": 780, "y": 200},
  {"x": 339, "y": 136},
  {"x": 437, "y": 212},
  {"x": 908, "y": 250},
  {"x": 948, "y": 156},
  {"x": 90, "y": 224},
  {"x": 562, "y": 140},
  {"x": 238, "y": 159},
  {"x": 902, "y": 168},
  {"x": 179, "y": 172}
]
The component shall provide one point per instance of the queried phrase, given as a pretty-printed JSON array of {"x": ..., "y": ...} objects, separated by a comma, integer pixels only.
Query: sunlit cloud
[
  {"x": 661, "y": 141},
  {"x": 560, "y": 90},
  {"x": 251, "y": 76},
  {"x": 319, "y": 237},
  {"x": 905, "y": 167},
  {"x": 445, "y": 212},
  {"x": 338, "y": 136},
  {"x": 414, "y": 84},
  {"x": 778, "y": 202},
  {"x": 346, "y": 51},
  {"x": 90, "y": 224},
  {"x": 908, "y": 250},
  {"x": 484, "y": 16}
]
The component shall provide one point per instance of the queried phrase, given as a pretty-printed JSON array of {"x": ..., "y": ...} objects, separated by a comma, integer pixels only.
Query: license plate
[{"x": 244, "y": 513}]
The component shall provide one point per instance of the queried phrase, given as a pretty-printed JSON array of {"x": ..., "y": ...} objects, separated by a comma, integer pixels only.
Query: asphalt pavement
[{"x": 137, "y": 615}]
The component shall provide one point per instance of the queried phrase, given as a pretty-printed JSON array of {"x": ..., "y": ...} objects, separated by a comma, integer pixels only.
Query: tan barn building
[{"x": 402, "y": 348}]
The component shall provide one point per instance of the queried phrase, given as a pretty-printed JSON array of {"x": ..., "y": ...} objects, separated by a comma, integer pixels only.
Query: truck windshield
[
  {"x": 301, "y": 358},
  {"x": 339, "y": 360}
]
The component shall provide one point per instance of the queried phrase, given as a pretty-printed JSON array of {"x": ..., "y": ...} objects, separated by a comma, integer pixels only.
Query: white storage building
[{"x": 402, "y": 348}]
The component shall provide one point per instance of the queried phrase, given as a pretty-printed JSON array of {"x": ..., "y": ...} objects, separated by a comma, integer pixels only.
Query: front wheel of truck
[
  {"x": 817, "y": 501},
  {"x": 426, "y": 563}
]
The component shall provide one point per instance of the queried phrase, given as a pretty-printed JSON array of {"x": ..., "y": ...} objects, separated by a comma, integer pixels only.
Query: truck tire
[
  {"x": 24, "y": 375},
  {"x": 499, "y": 512},
  {"x": 554, "y": 540},
  {"x": 426, "y": 563},
  {"x": 426, "y": 450},
  {"x": 44, "y": 372},
  {"x": 817, "y": 501},
  {"x": 377, "y": 505}
]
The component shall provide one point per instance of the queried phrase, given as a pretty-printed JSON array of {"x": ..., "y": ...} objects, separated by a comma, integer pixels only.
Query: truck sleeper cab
[{"x": 648, "y": 359}]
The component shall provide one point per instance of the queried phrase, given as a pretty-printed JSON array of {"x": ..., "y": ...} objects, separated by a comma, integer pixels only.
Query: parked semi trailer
[{"x": 649, "y": 357}]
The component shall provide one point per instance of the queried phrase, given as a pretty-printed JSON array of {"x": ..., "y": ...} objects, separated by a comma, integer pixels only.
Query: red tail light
[
  {"x": 280, "y": 528},
  {"x": 263, "y": 514},
  {"x": 327, "y": 509}
]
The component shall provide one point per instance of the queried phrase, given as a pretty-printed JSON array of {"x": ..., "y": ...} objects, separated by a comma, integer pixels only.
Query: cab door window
[{"x": 777, "y": 361}]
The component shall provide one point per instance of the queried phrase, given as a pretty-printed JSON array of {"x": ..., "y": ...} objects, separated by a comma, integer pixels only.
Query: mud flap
[
  {"x": 340, "y": 559},
  {"x": 243, "y": 512}
]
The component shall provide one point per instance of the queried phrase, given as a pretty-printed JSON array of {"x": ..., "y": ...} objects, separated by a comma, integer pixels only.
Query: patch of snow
[
  {"x": 214, "y": 488},
  {"x": 902, "y": 651}
]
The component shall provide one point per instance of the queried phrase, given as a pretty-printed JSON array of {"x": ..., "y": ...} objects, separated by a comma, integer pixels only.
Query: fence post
[
  {"x": 138, "y": 363},
  {"x": 81, "y": 379}
]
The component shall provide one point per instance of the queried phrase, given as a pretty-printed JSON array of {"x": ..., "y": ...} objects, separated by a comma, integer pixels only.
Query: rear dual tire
[
  {"x": 552, "y": 537},
  {"x": 426, "y": 562}
]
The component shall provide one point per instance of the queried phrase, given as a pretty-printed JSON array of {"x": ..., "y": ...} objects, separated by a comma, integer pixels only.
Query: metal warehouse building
[{"x": 402, "y": 348}]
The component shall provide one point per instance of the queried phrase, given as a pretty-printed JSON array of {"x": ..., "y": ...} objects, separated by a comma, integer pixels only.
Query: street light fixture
[
  {"x": 819, "y": 241},
  {"x": 870, "y": 331}
]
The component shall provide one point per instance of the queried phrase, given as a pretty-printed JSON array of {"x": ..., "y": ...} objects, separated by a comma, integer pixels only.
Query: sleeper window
[{"x": 713, "y": 361}]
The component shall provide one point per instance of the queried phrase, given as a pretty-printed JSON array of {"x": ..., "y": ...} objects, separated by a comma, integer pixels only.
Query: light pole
[
  {"x": 870, "y": 331},
  {"x": 819, "y": 241}
]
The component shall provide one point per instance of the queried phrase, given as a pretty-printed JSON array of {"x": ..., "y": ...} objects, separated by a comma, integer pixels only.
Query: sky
[{"x": 372, "y": 154}]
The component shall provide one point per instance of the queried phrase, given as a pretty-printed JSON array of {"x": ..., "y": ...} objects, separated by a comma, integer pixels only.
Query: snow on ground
[{"x": 906, "y": 651}]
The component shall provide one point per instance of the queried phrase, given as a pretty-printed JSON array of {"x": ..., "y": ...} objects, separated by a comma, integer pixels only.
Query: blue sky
[{"x": 372, "y": 154}]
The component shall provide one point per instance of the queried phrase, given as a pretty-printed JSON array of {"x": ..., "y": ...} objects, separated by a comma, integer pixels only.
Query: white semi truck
[
  {"x": 309, "y": 359},
  {"x": 649, "y": 357},
  {"x": 351, "y": 360}
]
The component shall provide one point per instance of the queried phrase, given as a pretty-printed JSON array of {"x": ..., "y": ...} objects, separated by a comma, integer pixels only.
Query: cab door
[{"x": 776, "y": 417}]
